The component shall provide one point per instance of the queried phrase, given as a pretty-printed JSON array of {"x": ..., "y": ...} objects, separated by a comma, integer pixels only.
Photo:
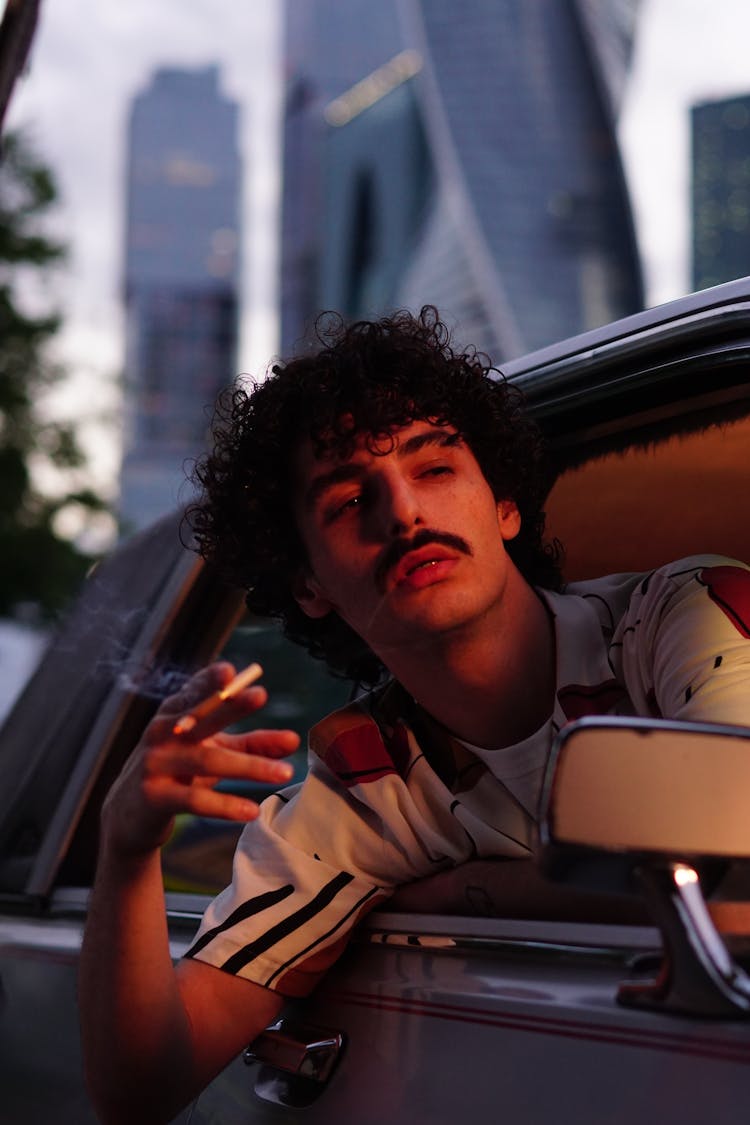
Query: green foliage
[{"x": 36, "y": 565}]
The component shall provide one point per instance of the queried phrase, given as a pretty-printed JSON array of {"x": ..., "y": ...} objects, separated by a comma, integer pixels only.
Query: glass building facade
[
  {"x": 721, "y": 191},
  {"x": 328, "y": 47},
  {"x": 478, "y": 170},
  {"x": 181, "y": 281}
]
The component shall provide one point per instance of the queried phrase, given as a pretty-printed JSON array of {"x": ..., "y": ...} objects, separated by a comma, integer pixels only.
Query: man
[{"x": 383, "y": 499}]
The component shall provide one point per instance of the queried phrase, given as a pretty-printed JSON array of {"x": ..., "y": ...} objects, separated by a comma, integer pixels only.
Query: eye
[
  {"x": 340, "y": 507},
  {"x": 436, "y": 470}
]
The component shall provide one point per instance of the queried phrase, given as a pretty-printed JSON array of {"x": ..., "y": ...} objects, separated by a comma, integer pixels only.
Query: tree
[{"x": 37, "y": 565}]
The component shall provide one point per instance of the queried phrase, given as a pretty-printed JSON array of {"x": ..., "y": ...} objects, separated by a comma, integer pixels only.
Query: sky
[
  {"x": 91, "y": 57},
  {"x": 686, "y": 52}
]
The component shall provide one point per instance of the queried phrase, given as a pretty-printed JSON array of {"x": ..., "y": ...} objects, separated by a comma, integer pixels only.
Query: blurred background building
[
  {"x": 181, "y": 281},
  {"x": 464, "y": 156},
  {"x": 721, "y": 190},
  {"x": 328, "y": 47}
]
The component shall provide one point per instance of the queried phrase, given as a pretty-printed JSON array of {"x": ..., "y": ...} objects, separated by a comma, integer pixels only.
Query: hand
[{"x": 167, "y": 773}]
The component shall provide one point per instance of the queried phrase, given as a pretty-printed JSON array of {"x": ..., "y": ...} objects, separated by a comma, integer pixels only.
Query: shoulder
[
  {"x": 696, "y": 578},
  {"x": 366, "y": 739},
  {"x": 676, "y": 574},
  {"x": 616, "y": 598}
]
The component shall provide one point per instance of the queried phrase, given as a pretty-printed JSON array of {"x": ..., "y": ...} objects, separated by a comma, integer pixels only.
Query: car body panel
[{"x": 524, "y": 1029}]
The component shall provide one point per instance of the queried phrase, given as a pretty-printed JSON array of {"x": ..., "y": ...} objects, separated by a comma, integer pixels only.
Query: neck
[{"x": 490, "y": 683}]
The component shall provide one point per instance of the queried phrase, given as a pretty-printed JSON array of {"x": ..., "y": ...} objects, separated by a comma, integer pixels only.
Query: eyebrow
[{"x": 351, "y": 471}]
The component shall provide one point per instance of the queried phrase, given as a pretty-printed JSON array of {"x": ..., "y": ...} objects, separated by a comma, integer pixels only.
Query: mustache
[{"x": 399, "y": 548}]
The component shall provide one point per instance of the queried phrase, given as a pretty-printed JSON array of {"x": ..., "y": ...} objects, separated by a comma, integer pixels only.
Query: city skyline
[{"x": 80, "y": 135}]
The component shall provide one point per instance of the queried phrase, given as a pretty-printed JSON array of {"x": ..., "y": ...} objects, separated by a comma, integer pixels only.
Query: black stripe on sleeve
[
  {"x": 246, "y": 910},
  {"x": 277, "y": 933},
  {"x": 324, "y": 937}
]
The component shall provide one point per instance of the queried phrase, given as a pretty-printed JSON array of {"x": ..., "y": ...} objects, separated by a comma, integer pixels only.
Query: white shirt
[{"x": 390, "y": 797}]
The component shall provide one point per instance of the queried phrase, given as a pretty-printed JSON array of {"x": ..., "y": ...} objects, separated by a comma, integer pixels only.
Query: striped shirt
[{"x": 391, "y": 797}]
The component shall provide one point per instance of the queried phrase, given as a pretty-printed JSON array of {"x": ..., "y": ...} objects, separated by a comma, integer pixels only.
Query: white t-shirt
[{"x": 520, "y": 767}]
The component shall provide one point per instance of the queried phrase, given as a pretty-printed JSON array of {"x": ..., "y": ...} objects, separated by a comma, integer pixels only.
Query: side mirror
[{"x": 656, "y": 806}]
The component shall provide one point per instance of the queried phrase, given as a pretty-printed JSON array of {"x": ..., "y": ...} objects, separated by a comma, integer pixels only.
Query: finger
[
  {"x": 164, "y": 726},
  {"x": 203, "y": 683},
  {"x": 232, "y": 710},
  {"x": 208, "y": 759},
  {"x": 170, "y": 798},
  {"x": 265, "y": 743}
]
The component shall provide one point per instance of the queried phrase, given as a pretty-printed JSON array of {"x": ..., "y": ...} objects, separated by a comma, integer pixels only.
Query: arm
[
  {"x": 154, "y": 1036},
  {"x": 514, "y": 888},
  {"x": 686, "y": 642}
]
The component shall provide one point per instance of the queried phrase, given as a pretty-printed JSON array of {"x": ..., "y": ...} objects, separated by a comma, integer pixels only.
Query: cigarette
[{"x": 213, "y": 702}]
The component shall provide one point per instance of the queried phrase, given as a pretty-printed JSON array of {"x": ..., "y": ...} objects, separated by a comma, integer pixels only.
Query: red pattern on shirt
[
  {"x": 729, "y": 588},
  {"x": 578, "y": 700}
]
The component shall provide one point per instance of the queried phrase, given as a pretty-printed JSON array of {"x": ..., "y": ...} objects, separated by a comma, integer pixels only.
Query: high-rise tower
[
  {"x": 477, "y": 168},
  {"x": 721, "y": 191},
  {"x": 328, "y": 47},
  {"x": 181, "y": 280}
]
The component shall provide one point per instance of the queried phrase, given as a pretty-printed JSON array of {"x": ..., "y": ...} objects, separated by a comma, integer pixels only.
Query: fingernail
[{"x": 284, "y": 772}]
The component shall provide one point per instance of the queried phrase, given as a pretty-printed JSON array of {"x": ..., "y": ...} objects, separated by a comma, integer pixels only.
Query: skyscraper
[
  {"x": 478, "y": 170},
  {"x": 328, "y": 47},
  {"x": 181, "y": 280},
  {"x": 721, "y": 191}
]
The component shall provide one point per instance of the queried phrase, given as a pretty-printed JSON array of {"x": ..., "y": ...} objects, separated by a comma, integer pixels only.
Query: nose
[{"x": 398, "y": 507}]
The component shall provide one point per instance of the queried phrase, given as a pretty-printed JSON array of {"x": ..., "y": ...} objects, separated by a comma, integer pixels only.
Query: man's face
[{"x": 404, "y": 543}]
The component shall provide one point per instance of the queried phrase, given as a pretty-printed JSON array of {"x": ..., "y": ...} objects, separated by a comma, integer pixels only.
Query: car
[{"x": 436, "y": 1017}]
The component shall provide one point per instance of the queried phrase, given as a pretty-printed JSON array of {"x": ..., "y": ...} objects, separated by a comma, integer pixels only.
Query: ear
[
  {"x": 309, "y": 595},
  {"x": 508, "y": 518}
]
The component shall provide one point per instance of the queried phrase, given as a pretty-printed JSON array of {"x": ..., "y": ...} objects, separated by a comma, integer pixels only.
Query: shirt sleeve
[
  {"x": 321, "y": 855},
  {"x": 288, "y": 912},
  {"x": 685, "y": 641}
]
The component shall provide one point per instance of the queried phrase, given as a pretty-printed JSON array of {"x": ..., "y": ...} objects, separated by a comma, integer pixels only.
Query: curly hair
[{"x": 367, "y": 379}]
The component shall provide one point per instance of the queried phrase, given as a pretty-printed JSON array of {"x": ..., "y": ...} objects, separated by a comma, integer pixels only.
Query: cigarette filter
[{"x": 213, "y": 702}]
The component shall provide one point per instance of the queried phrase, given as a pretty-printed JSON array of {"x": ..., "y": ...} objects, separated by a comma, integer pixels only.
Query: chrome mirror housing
[{"x": 657, "y": 807}]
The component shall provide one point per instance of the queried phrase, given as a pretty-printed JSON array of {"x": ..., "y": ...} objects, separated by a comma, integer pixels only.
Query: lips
[{"x": 422, "y": 564}]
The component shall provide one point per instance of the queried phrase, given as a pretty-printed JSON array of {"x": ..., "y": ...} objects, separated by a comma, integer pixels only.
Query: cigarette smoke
[
  {"x": 155, "y": 682},
  {"x": 108, "y": 637}
]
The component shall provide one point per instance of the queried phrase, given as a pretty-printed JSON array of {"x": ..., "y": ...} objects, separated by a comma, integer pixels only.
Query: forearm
[
  {"x": 513, "y": 888},
  {"x": 154, "y": 1036},
  {"x": 136, "y": 1034}
]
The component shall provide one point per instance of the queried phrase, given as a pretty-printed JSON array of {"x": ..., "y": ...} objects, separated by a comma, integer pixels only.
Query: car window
[
  {"x": 198, "y": 857},
  {"x": 83, "y": 710}
]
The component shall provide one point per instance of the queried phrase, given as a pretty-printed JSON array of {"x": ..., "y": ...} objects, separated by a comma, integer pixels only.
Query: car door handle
[{"x": 297, "y": 1059}]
